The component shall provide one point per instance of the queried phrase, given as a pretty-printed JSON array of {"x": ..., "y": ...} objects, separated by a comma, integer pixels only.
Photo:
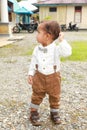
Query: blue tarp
[
  {"x": 23, "y": 11},
  {"x": 15, "y": 4}
]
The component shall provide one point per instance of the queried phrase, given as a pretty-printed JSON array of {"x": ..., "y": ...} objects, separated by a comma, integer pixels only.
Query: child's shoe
[
  {"x": 34, "y": 118},
  {"x": 55, "y": 117}
]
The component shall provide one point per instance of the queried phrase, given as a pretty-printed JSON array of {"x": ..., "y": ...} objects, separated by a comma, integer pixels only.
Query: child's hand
[
  {"x": 30, "y": 79},
  {"x": 61, "y": 36}
]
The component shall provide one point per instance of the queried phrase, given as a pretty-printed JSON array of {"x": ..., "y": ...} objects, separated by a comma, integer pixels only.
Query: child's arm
[
  {"x": 64, "y": 49},
  {"x": 32, "y": 68}
]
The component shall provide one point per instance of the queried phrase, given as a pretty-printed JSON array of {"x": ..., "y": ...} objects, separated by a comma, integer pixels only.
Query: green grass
[
  {"x": 16, "y": 50},
  {"x": 79, "y": 51},
  {"x": 29, "y": 52}
]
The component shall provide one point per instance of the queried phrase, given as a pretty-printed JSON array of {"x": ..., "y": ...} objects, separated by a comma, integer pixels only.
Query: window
[
  {"x": 78, "y": 12},
  {"x": 52, "y": 9}
]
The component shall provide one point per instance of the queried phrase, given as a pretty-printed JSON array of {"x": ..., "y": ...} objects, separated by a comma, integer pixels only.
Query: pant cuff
[
  {"x": 34, "y": 106},
  {"x": 54, "y": 110}
]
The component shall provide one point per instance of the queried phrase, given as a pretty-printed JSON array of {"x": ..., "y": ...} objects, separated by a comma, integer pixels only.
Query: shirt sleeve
[
  {"x": 32, "y": 66},
  {"x": 64, "y": 49}
]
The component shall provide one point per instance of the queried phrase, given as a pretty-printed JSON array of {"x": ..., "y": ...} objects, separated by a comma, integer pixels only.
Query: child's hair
[{"x": 51, "y": 27}]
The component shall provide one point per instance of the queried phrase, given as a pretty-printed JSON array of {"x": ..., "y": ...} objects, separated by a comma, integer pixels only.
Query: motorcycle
[
  {"x": 29, "y": 27},
  {"x": 72, "y": 27},
  {"x": 63, "y": 27}
]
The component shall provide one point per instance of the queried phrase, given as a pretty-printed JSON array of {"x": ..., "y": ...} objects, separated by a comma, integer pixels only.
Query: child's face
[{"x": 41, "y": 35}]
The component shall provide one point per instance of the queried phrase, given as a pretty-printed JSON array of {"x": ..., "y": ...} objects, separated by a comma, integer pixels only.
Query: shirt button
[
  {"x": 43, "y": 68},
  {"x": 43, "y": 59}
]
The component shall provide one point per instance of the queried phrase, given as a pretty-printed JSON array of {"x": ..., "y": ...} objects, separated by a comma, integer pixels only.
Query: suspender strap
[
  {"x": 36, "y": 66},
  {"x": 55, "y": 59},
  {"x": 55, "y": 67}
]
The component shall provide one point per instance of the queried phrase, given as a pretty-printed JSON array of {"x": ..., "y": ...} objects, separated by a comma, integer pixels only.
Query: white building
[{"x": 4, "y": 20}]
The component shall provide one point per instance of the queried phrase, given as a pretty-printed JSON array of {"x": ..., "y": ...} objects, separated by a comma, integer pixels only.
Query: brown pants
[{"x": 46, "y": 84}]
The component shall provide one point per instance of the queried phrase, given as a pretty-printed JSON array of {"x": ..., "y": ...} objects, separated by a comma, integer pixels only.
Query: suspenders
[
  {"x": 36, "y": 66},
  {"x": 55, "y": 60}
]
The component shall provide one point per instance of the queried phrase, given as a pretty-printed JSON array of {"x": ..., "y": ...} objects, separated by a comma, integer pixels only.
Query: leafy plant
[
  {"x": 18, "y": 0},
  {"x": 48, "y": 18}
]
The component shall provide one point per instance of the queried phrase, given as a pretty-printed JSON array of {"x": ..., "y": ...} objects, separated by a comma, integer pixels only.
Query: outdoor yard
[{"x": 15, "y": 92}]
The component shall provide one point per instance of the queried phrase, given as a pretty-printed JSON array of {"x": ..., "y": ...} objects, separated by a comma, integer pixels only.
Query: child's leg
[
  {"x": 38, "y": 88},
  {"x": 37, "y": 97},
  {"x": 54, "y": 91},
  {"x": 54, "y": 97},
  {"x": 35, "y": 102}
]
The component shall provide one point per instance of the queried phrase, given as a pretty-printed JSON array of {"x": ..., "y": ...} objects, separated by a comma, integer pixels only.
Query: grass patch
[
  {"x": 79, "y": 51},
  {"x": 16, "y": 50},
  {"x": 29, "y": 51},
  {"x": 9, "y": 50}
]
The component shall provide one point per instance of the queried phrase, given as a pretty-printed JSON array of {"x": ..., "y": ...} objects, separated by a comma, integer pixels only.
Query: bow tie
[{"x": 44, "y": 50}]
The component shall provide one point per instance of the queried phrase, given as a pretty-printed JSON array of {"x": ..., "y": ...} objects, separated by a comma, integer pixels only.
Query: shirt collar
[{"x": 48, "y": 46}]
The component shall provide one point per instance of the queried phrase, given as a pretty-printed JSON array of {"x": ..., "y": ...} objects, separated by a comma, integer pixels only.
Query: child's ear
[{"x": 49, "y": 35}]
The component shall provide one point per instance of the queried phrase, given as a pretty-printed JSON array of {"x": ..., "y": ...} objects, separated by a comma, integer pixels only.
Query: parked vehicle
[
  {"x": 72, "y": 27},
  {"x": 19, "y": 27},
  {"x": 34, "y": 24},
  {"x": 63, "y": 27}
]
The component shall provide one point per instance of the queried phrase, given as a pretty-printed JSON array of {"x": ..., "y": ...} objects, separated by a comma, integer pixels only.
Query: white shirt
[{"x": 46, "y": 60}]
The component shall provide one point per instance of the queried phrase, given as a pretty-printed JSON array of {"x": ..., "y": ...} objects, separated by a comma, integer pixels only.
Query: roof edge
[{"x": 61, "y": 4}]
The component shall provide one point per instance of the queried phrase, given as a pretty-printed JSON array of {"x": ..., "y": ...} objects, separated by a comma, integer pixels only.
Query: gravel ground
[{"x": 15, "y": 92}]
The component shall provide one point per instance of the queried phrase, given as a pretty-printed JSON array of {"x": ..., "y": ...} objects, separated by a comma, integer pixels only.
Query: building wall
[
  {"x": 53, "y": 15},
  {"x": 4, "y": 28},
  {"x": 70, "y": 15},
  {"x": 84, "y": 17},
  {"x": 61, "y": 14},
  {"x": 64, "y": 15},
  {"x": 44, "y": 14}
]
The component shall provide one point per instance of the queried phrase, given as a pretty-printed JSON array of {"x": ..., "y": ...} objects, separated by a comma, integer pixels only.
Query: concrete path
[{"x": 4, "y": 40}]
